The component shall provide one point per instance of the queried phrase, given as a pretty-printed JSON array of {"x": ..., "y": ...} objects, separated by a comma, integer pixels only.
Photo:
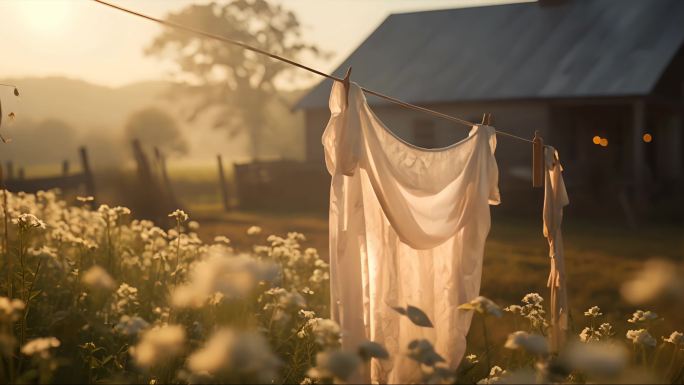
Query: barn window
[{"x": 424, "y": 134}]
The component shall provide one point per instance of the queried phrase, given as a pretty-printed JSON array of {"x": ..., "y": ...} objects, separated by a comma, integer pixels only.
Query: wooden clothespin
[
  {"x": 487, "y": 119},
  {"x": 538, "y": 164},
  {"x": 345, "y": 83}
]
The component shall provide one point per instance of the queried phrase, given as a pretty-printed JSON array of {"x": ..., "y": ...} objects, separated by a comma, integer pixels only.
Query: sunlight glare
[{"x": 45, "y": 16}]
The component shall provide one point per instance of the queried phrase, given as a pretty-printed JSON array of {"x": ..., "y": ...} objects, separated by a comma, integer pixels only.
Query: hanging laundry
[
  {"x": 407, "y": 227},
  {"x": 555, "y": 198}
]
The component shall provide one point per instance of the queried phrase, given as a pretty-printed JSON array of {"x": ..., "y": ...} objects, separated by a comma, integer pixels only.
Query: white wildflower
[
  {"x": 472, "y": 359},
  {"x": 514, "y": 309},
  {"x": 193, "y": 225},
  {"x": 85, "y": 198},
  {"x": 606, "y": 330},
  {"x": 228, "y": 352},
  {"x": 179, "y": 215},
  {"x": 43, "y": 251},
  {"x": 231, "y": 276},
  {"x": 28, "y": 221},
  {"x": 40, "y": 347},
  {"x": 120, "y": 211},
  {"x": 641, "y": 337},
  {"x": 254, "y": 230},
  {"x": 98, "y": 278},
  {"x": 531, "y": 343},
  {"x": 222, "y": 239},
  {"x": 533, "y": 299},
  {"x": 10, "y": 309},
  {"x": 593, "y": 312},
  {"x": 589, "y": 335},
  {"x": 126, "y": 299},
  {"x": 158, "y": 345},
  {"x": 307, "y": 314},
  {"x": 642, "y": 316},
  {"x": 658, "y": 279},
  {"x": 131, "y": 326},
  {"x": 495, "y": 376},
  {"x": 533, "y": 310},
  {"x": 319, "y": 276},
  {"x": 676, "y": 338},
  {"x": 325, "y": 331}
]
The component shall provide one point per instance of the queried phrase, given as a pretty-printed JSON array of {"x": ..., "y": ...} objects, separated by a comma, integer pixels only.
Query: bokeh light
[
  {"x": 604, "y": 142},
  {"x": 596, "y": 139},
  {"x": 647, "y": 138}
]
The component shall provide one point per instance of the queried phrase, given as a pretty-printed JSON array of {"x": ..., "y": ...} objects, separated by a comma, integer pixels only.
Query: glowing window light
[
  {"x": 596, "y": 139},
  {"x": 647, "y": 138},
  {"x": 604, "y": 142}
]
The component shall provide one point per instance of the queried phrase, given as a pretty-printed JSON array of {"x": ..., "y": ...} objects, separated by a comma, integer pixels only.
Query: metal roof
[{"x": 575, "y": 48}]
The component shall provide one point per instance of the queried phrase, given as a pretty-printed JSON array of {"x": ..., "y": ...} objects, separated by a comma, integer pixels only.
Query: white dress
[{"x": 407, "y": 227}]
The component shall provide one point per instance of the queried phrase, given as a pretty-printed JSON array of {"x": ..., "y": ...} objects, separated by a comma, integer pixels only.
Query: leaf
[
  {"x": 418, "y": 317},
  {"x": 11, "y": 116},
  {"x": 399, "y": 310},
  {"x": 16, "y": 91},
  {"x": 370, "y": 349},
  {"x": 107, "y": 359}
]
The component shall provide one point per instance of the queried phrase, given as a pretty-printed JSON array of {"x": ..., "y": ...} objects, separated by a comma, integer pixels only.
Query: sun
[{"x": 45, "y": 16}]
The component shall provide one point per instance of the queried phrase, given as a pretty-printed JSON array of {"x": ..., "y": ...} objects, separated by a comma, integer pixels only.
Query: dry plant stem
[
  {"x": 659, "y": 350},
  {"x": 670, "y": 367},
  {"x": 110, "y": 262},
  {"x": 8, "y": 255},
  {"x": 175, "y": 271},
  {"x": 486, "y": 343},
  {"x": 30, "y": 290}
]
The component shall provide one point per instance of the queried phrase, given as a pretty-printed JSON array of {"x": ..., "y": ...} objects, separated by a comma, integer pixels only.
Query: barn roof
[{"x": 574, "y": 48}]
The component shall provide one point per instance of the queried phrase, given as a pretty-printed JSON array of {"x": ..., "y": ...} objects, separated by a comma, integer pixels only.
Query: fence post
[
  {"x": 10, "y": 170},
  {"x": 141, "y": 160},
  {"x": 222, "y": 184},
  {"x": 87, "y": 174},
  {"x": 65, "y": 168},
  {"x": 161, "y": 161},
  {"x": 21, "y": 174}
]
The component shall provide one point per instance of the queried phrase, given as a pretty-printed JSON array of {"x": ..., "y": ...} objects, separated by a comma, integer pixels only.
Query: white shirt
[{"x": 407, "y": 227}]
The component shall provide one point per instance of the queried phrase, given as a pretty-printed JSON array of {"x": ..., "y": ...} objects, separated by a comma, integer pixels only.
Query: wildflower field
[{"x": 95, "y": 295}]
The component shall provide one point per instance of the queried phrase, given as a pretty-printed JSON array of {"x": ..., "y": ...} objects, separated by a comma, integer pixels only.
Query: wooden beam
[
  {"x": 638, "y": 158},
  {"x": 222, "y": 184},
  {"x": 87, "y": 175}
]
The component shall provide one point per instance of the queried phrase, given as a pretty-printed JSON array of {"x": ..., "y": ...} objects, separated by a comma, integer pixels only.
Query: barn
[{"x": 602, "y": 80}]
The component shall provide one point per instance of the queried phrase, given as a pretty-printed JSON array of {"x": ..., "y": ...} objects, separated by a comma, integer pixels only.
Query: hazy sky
[{"x": 83, "y": 39}]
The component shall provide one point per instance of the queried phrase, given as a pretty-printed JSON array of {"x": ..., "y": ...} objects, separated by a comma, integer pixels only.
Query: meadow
[{"x": 95, "y": 295}]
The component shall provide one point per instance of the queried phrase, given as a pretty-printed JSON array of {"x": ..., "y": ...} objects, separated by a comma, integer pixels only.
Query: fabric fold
[
  {"x": 555, "y": 199},
  {"x": 407, "y": 227}
]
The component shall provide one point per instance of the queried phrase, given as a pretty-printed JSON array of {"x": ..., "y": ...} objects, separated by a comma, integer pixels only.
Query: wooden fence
[
  {"x": 282, "y": 185},
  {"x": 66, "y": 181}
]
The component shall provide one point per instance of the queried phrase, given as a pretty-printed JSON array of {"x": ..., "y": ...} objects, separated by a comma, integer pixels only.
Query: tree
[
  {"x": 40, "y": 142},
  {"x": 228, "y": 82},
  {"x": 154, "y": 127}
]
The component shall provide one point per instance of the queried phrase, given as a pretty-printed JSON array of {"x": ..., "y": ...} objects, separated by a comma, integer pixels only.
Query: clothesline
[{"x": 302, "y": 66}]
